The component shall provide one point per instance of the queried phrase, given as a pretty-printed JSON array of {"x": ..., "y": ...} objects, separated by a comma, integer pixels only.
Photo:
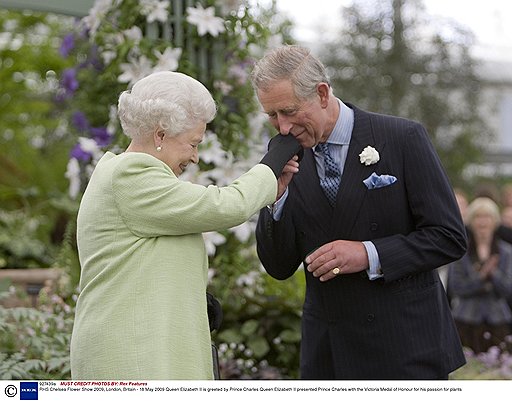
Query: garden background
[{"x": 60, "y": 78}]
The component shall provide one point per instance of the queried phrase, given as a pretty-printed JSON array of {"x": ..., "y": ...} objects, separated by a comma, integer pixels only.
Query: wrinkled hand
[
  {"x": 348, "y": 256},
  {"x": 286, "y": 177}
]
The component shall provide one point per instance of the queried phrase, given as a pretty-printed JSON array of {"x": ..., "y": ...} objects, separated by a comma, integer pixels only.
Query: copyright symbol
[{"x": 11, "y": 391}]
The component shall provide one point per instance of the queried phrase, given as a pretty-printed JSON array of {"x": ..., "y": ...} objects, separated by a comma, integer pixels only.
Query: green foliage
[
  {"x": 34, "y": 343},
  {"x": 33, "y": 145},
  {"x": 33, "y": 153},
  {"x": 261, "y": 325},
  {"x": 385, "y": 62},
  {"x": 21, "y": 241}
]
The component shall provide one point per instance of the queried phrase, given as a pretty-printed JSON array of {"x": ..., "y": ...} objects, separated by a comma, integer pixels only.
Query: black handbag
[{"x": 214, "y": 319}]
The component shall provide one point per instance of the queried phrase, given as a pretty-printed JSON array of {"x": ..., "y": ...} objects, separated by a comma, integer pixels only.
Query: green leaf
[{"x": 259, "y": 346}]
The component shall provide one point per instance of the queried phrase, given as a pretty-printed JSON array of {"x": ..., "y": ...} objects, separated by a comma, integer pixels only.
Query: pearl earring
[{"x": 159, "y": 148}]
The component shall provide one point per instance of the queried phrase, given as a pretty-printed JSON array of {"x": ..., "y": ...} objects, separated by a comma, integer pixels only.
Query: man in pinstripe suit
[{"x": 374, "y": 306}]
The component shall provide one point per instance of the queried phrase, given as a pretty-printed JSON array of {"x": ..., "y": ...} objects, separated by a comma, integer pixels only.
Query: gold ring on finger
[{"x": 336, "y": 271}]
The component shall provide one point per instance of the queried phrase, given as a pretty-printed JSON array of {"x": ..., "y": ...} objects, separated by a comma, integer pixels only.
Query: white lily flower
[
  {"x": 244, "y": 231},
  {"x": 168, "y": 60},
  {"x": 134, "y": 34},
  {"x": 107, "y": 56},
  {"x": 135, "y": 70},
  {"x": 212, "y": 240},
  {"x": 93, "y": 20},
  {"x": 211, "y": 150},
  {"x": 205, "y": 20},
  {"x": 155, "y": 10}
]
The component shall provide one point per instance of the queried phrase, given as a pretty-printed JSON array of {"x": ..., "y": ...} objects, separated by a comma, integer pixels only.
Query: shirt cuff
[
  {"x": 276, "y": 209},
  {"x": 374, "y": 271}
]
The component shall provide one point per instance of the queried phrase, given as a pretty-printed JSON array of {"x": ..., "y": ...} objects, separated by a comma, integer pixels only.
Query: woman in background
[{"x": 481, "y": 281}]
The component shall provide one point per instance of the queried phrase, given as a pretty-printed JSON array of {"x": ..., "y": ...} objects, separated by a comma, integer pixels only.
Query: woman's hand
[{"x": 291, "y": 167}]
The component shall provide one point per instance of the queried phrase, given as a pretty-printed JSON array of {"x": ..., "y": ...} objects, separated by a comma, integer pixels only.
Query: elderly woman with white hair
[
  {"x": 481, "y": 281},
  {"x": 142, "y": 309}
]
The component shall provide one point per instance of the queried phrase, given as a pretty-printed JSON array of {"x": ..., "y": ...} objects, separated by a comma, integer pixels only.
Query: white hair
[
  {"x": 484, "y": 206},
  {"x": 166, "y": 100},
  {"x": 290, "y": 62}
]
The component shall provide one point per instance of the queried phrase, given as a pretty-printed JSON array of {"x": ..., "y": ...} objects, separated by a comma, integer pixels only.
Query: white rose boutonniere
[{"x": 369, "y": 156}]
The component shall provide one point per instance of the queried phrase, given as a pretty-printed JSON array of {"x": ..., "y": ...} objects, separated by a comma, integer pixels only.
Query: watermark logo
[
  {"x": 11, "y": 391},
  {"x": 28, "y": 391}
]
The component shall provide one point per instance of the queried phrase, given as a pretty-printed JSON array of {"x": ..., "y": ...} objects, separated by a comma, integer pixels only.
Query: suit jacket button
[
  {"x": 370, "y": 317},
  {"x": 374, "y": 226}
]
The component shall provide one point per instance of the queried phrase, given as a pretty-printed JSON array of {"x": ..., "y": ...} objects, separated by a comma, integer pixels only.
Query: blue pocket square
[{"x": 376, "y": 181}]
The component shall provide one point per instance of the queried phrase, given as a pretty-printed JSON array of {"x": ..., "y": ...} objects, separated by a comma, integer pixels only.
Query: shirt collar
[{"x": 342, "y": 131}]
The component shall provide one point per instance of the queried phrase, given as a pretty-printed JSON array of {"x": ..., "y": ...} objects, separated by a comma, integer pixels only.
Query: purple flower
[
  {"x": 78, "y": 153},
  {"x": 80, "y": 121},
  {"x": 94, "y": 58},
  {"x": 67, "y": 45},
  {"x": 491, "y": 357},
  {"x": 69, "y": 81},
  {"x": 101, "y": 136}
]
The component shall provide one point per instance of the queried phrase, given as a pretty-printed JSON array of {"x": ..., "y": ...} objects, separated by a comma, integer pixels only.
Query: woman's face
[
  {"x": 177, "y": 152},
  {"x": 483, "y": 224}
]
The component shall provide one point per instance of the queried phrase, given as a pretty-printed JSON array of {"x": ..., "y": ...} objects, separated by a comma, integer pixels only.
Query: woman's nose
[{"x": 195, "y": 156}]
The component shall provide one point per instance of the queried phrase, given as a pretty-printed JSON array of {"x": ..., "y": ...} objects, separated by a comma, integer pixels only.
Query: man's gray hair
[
  {"x": 168, "y": 101},
  {"x": 290, "y": 62}
]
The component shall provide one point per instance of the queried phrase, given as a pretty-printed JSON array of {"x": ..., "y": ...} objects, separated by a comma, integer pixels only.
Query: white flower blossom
[
  {"x": 135, "y": 70},
  {"x": 113, "y": 121},
  {"x": 239, "y": 73},
  {"x": 73, "y": 175},
  {"x": 205, "y": 20},
  {"x": 88, "y": 145},
  {"x": 248, "y": 279},
  {"x": 155, "y": 10},
  {"x": 244, "y": 231},
  {"x": 168, "y": 60},
  {"x": 223, "y": 87},
  {"x": 211, "y": 150},
  {"x": 93, "y": 20},
  {"x": 225, "y": 174},
  {"x": 113, "y": 39},
  {"x": 212, "y": 240},
  {"x": 369, "y": 156},
  {"x": 107, "y": 56},
  {"x": 134, "y": 34}
]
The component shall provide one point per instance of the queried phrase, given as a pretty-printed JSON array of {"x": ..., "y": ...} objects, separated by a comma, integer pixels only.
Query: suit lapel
[{"x": 352, "y": 189}]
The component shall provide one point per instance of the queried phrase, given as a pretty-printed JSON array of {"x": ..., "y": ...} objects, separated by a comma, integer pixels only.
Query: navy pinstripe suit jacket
[{"x": 397, "y": 327}]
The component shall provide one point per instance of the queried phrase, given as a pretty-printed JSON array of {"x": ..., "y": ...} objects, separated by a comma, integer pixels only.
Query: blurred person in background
[
  {"x": 506, "y": 216},
  {"x": 142, "y": 308},
  {"x": 506, "y": 195},
  {"x": 462, "y": 201},
  {"x": 481, "y": 281}
]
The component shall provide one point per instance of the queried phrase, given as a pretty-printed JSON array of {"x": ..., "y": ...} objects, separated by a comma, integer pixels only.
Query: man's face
[{"x": 306, "y": 120}]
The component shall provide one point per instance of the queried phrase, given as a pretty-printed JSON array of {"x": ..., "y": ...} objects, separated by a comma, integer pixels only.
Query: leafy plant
[
  {"x": 34, "y": 343},
  {"x": 260, "y": 333},
  {"x": 21, "y": 240}
]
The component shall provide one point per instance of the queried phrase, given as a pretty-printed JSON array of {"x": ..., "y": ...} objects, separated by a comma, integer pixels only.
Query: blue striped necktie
[{"x": 331, "y": 180}]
